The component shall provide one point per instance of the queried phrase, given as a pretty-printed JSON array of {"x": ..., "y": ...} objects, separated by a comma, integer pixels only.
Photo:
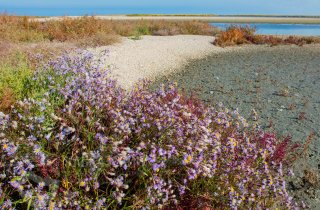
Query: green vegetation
[{"x": 14, "y": 72}]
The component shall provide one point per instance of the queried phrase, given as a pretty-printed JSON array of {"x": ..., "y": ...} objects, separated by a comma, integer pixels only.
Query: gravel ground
[
  {"x": 281, "y": 84},
  {"x": 151, "y": 56}
]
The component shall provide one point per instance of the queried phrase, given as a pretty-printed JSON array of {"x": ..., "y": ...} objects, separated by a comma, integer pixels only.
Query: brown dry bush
[
  {"x": 91, "y": 31},
  {"x": 6, "y": 49},
  {"x": 19, "y": 29},
  {"x": 312, "y": 177},
  {"x": 237, "y": 35},
  {"x": 7, "y": 99},
  {"x": 99, "y": 39}
]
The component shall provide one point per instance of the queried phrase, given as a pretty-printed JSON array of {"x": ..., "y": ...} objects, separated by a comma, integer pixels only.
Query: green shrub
[{"x": 14, "y": 72}]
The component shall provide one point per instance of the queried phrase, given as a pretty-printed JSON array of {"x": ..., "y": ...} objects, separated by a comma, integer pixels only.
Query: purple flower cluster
[{"x": 100, "y": 146}]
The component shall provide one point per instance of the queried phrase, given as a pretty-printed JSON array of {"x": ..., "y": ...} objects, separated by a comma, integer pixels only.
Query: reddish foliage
[
  {"x": 7, "y": 99},
  {"x": 236, "y": 35},
  {"x": 283, "y": 148},
  {"x": 51, "y": 170}
]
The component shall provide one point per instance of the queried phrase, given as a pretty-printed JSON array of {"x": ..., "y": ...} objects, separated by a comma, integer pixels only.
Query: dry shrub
[
  {"x": 69, "y": 29},
  {"x": 162, "y": 32},
  {"x": 162, "y": 27},
  {"x": 6, "y": 49},
  {"x": 312, "y": 177},
  {"x": 197, "y": 28},
  {"x": 92, "y": 30},
  {"x": 99, "y": 39},
  {"x": 7, "y": 99},
  {"x": 19, "y": 29},
  {"x": 237, "y": 35}
]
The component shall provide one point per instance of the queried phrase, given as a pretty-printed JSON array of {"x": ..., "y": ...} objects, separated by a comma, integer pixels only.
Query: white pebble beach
[{"x": 152, "y": 56}]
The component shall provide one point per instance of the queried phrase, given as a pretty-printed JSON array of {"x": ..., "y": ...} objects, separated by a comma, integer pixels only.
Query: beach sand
[{"x": 153, "y": 56}]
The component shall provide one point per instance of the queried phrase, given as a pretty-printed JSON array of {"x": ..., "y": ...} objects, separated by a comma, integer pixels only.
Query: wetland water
[
  {"x": 282, "y": 84},
  {"x": 279, "y": 29}
]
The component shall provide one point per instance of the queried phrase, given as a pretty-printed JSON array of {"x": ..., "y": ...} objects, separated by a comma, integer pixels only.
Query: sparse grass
[
  {"x": 90, "y": 31},
  {"x": 237, "y": 35}
]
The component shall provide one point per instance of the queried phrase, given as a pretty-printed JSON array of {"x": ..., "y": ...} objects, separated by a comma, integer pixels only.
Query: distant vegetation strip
[
  {"x": 172, "y": 15},
  {"x": 229, "y": 18},
  {"x": 203, "y": 18},
  {"x": 277, "y": 16},
  {"x": 216, "y": 15}
]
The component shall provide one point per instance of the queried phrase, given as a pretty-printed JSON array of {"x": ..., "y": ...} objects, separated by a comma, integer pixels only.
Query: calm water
[{"x": 280, "y": 29}]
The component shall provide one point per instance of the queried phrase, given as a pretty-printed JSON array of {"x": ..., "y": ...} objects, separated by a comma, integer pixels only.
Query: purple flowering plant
[{"x": 80, "y": 141}]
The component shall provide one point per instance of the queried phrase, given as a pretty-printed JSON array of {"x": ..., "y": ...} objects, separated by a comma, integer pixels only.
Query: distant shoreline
[
  {"x": 215, "y": 15},
  {"x": 206, "y": 18}
]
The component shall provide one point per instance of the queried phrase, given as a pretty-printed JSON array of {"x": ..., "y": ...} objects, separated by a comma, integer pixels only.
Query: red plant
[{"x": 283, "y": 148}]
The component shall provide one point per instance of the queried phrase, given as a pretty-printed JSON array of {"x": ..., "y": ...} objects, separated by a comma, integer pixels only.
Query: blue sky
[{"x": 294, "y": 7}]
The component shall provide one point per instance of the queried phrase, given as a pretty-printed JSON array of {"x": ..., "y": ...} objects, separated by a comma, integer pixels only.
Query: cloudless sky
[{"x": 286, "y": 7}]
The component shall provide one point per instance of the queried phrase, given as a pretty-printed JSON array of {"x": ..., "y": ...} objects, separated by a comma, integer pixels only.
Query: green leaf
[{"x": 29, "y": 204}]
